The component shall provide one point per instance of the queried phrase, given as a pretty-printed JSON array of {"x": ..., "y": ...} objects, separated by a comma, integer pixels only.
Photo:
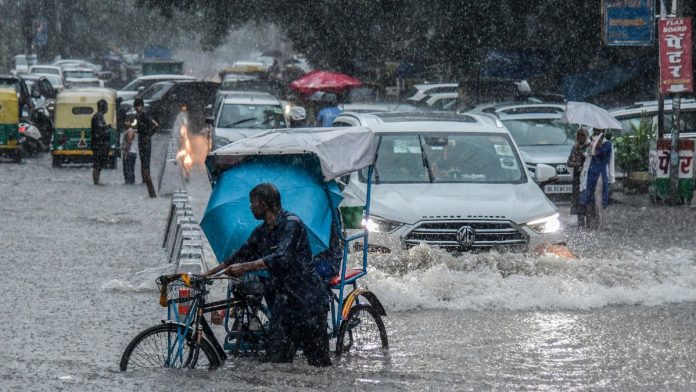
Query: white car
[
  {"x": 47, "y": 70},
  {"x": 453, "y": 181},
  {"x": 81, "y": 77},
  {"x": 241, "y": 114},
  {"x": 419, "y": 91},
  {"x": 140, "y": 84}
]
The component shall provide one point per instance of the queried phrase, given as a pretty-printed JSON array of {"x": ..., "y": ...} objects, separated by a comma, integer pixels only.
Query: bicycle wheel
[
  {"x": 152, "y": 347},
  {"x": 362, "y": 331}
]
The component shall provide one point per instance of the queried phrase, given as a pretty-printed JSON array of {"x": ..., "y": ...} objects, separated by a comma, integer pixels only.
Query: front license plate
[{"x": 558, "y": 189}]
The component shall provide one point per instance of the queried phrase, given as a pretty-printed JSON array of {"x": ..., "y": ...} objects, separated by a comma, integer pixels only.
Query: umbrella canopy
[
  {"x": 339, "y": 150},
  {"x": 228, "y": 221},
  {"x": 584, "y": 113},
  {"x": 324, "y": 81}
]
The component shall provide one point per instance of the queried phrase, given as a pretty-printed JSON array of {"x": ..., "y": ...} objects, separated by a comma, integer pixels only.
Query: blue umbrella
[{"x": 228, "y": 220}]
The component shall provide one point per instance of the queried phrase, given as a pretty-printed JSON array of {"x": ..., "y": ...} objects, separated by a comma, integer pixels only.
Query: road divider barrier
[{"x": 183, "y": 238}]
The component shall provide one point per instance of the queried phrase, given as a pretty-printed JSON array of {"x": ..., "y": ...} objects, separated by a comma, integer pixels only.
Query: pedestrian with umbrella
[{"x": 597, "y": 174}]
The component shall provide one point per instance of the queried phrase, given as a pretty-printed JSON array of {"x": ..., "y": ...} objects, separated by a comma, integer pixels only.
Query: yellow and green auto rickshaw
[
  {"x": 71, "y": 139},
  {"x": 10, "y": 137}
]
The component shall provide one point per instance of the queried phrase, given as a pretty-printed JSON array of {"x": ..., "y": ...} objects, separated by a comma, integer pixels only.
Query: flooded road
[{"x": 79, "y": 264}]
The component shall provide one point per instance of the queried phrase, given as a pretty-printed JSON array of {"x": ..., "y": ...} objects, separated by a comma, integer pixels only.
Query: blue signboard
[{"x": 629, "y": 22}]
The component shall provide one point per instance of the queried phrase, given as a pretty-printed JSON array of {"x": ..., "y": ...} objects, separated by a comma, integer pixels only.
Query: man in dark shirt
[
  {"x": 99, "y": 140},
  {"x": 146, "y": 128},
  {"x": 300, "y": 304}
]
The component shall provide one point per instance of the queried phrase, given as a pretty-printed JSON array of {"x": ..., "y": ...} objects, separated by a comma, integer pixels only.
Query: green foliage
[{"x": 632, "y": 150}]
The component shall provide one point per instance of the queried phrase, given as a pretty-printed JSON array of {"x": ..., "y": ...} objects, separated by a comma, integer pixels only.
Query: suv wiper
[
  {"x": 242, "y": 121},
  {"x": 425, "y": 160}
]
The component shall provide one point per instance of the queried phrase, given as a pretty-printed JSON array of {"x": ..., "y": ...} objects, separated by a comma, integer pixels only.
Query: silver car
[
  {"x": 242, "y": 114},
  {"x": 541, "y": 137}
]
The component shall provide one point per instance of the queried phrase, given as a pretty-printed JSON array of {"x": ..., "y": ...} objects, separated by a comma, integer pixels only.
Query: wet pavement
[{"x": 79, "y": 265}]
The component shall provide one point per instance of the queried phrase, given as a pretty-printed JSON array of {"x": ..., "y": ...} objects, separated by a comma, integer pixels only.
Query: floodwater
[{"x": 79, "y": 264}]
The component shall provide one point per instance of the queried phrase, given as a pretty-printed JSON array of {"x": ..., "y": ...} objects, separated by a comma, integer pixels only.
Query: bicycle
[{"x": 179, "y": 343}]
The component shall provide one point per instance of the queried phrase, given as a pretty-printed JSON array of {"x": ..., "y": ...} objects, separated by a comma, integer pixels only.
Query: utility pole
[{"x": 674, "y": 198}]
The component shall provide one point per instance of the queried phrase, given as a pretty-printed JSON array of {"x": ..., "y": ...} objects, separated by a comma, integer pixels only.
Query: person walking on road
[
  {"x": 146, "y": 128},
  {"x": 129, "y": 152},
  {"x": 100, "y": 140},
  {"x": 594, "y": 188},
  {"x": 576, "y": 161},
  {"x": 300, "y": 299},
  {"x": 328, "y": 113}
]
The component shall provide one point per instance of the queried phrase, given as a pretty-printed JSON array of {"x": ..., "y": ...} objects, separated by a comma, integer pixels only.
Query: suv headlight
[
  {"x": 549, "y": 224},
  {"x": 380, "y": 225}
]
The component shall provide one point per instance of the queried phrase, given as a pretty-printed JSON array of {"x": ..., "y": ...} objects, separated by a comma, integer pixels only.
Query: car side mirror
[
  {"x": 544, "y": 173},
  {"x": 210, "y": 120}
]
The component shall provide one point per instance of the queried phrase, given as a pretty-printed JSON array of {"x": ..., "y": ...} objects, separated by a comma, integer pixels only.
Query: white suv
[
  {"x": 450, "y": 180},
  {"x": 241, "y": 114}
]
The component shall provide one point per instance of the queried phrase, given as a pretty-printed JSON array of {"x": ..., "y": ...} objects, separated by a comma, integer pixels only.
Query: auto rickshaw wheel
[
  {"x": 57, "y": 161},
  {"x": 18, "y": 155}
]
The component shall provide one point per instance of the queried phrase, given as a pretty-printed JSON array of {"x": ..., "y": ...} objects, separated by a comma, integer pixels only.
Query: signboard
[
  {"x": 686, "y": 159},
  {"x": 629, "y": 22},
  {"x": 676, "y": 74}
]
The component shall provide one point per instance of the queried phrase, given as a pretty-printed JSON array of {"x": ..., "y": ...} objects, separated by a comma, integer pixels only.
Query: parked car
[
  {"x": 377, "y": 107},
  {"x": 23, "y": 62},
  {"x": 630, "y": 116},
  {"x": 163, "y": 101},
  {"x": 47, "y": 70},
  {"x": 439, "y": 101},
  {"x": 80, "y": 78},
  {"x": 55, "y": 80},
  {"x": 450, "y": 180},
  {"x": 541, "y": 137},
  {"x": 241, "y": 114},
  {"x": 419, "y": 91},
  {"x": 139, "y": 85}
]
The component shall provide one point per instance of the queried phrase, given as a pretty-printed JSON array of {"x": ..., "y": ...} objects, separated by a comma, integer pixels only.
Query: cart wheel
[
  {"x": 362, "y": 332},
  {"x": 57, "y": 162}
]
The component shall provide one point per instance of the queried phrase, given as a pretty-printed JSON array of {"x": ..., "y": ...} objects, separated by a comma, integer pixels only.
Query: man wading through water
[
  {"x": 100, "y": 140},
  {"x": 299, "y": 300},
  {"x": 146, "y": 128}
]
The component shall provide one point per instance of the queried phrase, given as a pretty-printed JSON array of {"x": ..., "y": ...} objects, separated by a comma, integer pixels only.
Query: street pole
[
  {"x": 674, "y": 198},
  {"x": 660, "y": 96}
]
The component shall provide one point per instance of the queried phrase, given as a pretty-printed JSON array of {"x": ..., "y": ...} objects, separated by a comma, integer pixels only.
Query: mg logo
[
  {"x": 561, "y": 168},
  {"x": 466, "y": 236}
]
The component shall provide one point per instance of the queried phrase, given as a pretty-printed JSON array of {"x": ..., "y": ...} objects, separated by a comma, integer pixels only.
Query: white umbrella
[{"x": 584, "y": 113}]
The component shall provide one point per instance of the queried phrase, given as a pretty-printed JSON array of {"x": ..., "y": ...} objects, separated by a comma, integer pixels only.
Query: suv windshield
[
  {"x": 540, "y": 132},
  {"x": 454, "y": 158},
  {"x": 251, "y": 116}
]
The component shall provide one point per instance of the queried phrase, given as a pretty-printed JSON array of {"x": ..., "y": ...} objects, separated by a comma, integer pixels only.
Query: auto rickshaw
[
  {"x": 10, "y": 136},
  {"x": 71, "y": 139}
]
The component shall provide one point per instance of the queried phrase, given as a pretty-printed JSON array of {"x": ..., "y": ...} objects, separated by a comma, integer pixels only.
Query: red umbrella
[{"x": 324, "y": 81}]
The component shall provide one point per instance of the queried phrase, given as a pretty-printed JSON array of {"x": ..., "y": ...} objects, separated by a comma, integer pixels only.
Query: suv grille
[{"x": 486, "y": 234}]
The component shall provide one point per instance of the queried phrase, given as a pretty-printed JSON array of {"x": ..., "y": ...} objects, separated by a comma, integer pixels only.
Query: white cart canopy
[{"x": 340, "y": 150}]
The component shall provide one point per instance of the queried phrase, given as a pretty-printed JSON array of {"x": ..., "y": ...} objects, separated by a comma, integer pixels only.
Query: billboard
[
  {"x": 629, "y": 22},
  {"x": 676, "y": 75}
]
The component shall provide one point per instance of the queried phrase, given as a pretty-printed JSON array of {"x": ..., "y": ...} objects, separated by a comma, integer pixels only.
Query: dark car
[{"x": 163, "y": 101}]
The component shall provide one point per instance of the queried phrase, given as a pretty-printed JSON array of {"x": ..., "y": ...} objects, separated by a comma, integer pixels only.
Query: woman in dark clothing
[{"x": 576, "y": 161}]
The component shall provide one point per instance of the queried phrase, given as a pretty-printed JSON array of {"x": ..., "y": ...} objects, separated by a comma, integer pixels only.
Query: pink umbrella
[{"x": 324, "y": 81}]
